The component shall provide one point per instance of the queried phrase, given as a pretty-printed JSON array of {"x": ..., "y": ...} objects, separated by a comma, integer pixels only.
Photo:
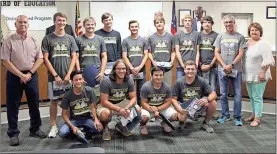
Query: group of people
[{"x": 202, "y": 58}]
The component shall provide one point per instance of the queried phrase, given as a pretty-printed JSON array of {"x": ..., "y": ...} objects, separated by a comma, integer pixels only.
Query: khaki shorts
[
  {"x": 167, "y": 113},
  {"x": 100, "y": 108}
]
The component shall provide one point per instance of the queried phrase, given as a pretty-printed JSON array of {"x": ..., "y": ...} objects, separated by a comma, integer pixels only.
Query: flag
[
  {"x": 173, "y": 20},
  {"x": 78, "y": 23}
]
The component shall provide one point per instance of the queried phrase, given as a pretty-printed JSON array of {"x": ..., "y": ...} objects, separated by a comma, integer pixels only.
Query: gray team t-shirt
[
  {"x": 206, "y": 47},
  {"x": 155, "y": 97},
  {"x": 116, "y": 92},
  {"x": 188, "y": 44},
  {"x": 161, "y": 46},
  {"x": 112, "y": 40},
  {"x": 229, "y": 45},
  {"x": 59, "y": 49},
  {"x": 90, "y": 50},
  {"x": 79, "y": 105},
  {"x": 135, "y": 49},
  {"x": 185, "y": 92}
]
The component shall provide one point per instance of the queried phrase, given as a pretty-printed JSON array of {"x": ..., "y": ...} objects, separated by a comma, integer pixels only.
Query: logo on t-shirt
[
  {"x": 90, "y": 50},
  {"x": 118, "y": 94},
  {"x": 161, "y": 46},
  {"x": 80, "y": 106},
  {"x": 206, "y": 43},
  {"x": 136, "y": 51},
  {"x": 156, "y": 99},
  {"x": 187, "y": 45},
  {"x": 110, "y": 40},
  {"x": 189, "y": 93},
  {"x": 61, "y": 49}
]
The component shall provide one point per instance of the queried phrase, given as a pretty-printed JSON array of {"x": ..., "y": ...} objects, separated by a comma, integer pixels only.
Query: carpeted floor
[{"x": 227, "y": 138}]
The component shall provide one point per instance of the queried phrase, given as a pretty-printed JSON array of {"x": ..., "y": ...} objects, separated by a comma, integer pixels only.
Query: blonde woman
[{"x": 256, "y": 72}]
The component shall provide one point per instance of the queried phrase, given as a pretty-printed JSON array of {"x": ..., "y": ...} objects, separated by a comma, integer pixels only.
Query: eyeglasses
[{"x": 120, "y": 69}]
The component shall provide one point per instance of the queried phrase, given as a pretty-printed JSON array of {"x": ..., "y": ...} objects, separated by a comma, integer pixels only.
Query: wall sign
[{"x": 39, "y": 18}]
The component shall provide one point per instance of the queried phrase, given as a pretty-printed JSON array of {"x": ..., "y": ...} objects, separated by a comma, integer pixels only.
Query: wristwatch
[
  {"x": 31, "y": 72},
  {"x": 233, "y": 65},
  {"x": 56, "y": 75}
]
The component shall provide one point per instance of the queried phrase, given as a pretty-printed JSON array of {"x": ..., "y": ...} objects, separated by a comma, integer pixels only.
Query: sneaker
[
  {"x": 207, "y": 127},
  {"x": 122, "y": 129},
  {"x": 39, "y": 133},
  {"x": 223, "y": 119},
  {"x": 182, "y": 124},
  {"x": 167, "y": 129},
  {"x": 238, "y": 122},
  {"x": 53, "y": 132},
  {"x": 14, "y": 141},
  {"x": 144, "y": 130},
  {"x": 152, "y": 119},
  {"x": 106, "y": 134}
]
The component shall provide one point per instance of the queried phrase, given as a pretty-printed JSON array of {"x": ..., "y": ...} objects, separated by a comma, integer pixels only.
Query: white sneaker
[
  {"x": 152, "y": 119},
  {"x": 53, "y": 132}
]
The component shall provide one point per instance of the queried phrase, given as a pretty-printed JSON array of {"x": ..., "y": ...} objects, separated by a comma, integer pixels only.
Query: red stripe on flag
[{"x": 78, "y": 22}]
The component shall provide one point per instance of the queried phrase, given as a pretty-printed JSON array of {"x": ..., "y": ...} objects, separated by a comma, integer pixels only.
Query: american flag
[
  {"x": 173, "y": 20},
  {"x": 78, "y": 23}
]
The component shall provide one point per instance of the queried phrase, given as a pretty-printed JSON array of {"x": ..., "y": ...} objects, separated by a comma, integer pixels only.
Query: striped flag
[
  {"x": 78, "y": 23},
  {"x": 173, "y": 20}
]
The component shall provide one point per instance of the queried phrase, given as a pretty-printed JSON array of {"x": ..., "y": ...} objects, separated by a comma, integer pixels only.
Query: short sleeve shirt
[
  {"x": 185, "y": 92},
  {"x": 155, "y": 97},
  {"x": 117, "y": 92},
  {"x": 79, "y": 105}
]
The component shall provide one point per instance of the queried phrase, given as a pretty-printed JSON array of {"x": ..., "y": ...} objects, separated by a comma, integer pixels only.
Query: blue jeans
[
  {"x": 14, "y": 91},
  {"x": 224, "y": 86},
  {"x": 211, "y": 77},
  {"x": 87, "y": 124},
  {"x": 179, "y": 73}
]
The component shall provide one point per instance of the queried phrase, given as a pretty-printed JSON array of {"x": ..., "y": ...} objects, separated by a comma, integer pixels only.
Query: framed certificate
[
  {"x": 271, "y": 12},
  {"x": 182, "y": 13}
]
